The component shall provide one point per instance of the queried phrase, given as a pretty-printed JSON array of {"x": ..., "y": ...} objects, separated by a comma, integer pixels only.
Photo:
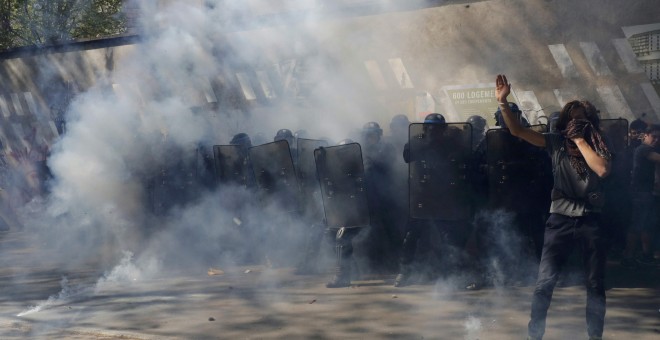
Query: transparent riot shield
[
  {"x": 274, "y": 174},
  {"x": 341, "y": 175},
  {"x": 232, "y": 165},
  {"x": 307, "y": 177},
  {"x": 517, "y": 173},
  {"x": 438, "y": 180}
]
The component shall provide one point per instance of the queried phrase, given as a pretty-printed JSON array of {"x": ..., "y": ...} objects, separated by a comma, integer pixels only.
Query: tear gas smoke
[
  {"x": 508, "y": 257},
  {"x": 62, "y": 297},
  {"x": 142, "y": 118},
  {"x": 138, "y": 121},
  {"x": 473, "y": 328},
  {"x": 145, "y": 117},
  {"x": 125, "y": 272}
]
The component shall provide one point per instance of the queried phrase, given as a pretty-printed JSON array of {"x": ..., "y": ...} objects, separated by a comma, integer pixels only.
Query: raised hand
[{"x": 502, "y": 88}]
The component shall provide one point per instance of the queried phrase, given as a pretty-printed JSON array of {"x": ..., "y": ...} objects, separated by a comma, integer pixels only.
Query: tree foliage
[{"x": 49, "y": 22}]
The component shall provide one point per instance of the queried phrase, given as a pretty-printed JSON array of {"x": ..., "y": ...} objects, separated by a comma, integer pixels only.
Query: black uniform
[
  {"x": 341, "y": 175},
  {"x": 438, "y": 155}
]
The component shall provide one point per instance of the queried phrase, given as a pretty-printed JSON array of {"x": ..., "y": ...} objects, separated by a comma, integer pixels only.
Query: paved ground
[{"x": 260, "y": 303}]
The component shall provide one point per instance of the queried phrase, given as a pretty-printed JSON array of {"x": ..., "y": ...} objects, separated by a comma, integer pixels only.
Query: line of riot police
[{"x": 433, "y": 199}]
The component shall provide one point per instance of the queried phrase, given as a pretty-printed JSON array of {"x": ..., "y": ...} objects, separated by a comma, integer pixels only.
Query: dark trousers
[
  {"x": 562, "y": 234},
  {"x": 343, "y": 244},
  {"x": 430, "y": 236}
]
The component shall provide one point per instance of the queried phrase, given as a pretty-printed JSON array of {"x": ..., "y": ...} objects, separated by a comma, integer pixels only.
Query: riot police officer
[
  {"x": 518, "y": 114},
  {"x": 398, "y": 132},
  {"x": 311, "y": 200},
  {"x": 399, "y": 186},
  {"x": 287, "y": 135},
  {"x": 242, "y": 139},
  {"x": 379, "y": 159},
  {"x": 341, "y": 174},
  {"x": 438, "y": 156},
  {"x": 244, "y": 143},
  {"x": 279, "y": 194},
  {"x": 479, "y": 127},
  {"x": 236, "y": 188}
]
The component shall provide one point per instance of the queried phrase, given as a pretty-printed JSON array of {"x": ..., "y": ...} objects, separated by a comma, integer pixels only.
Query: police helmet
[
  {"x": 283, "y": 134},
  {"x": 399, "y": 121},
  {"x": 372, "y": 127},
  {"x": 434, "y": 118},
  {"x": 478, "y": 122},
  {"x": 241, "y": 139},
  {"x": 499, "y": 119}
]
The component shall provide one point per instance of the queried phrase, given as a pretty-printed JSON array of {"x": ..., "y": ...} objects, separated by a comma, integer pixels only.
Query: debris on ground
[
  {"x": 472, "y": 286},
  {"x": 211, "y": 318},
  {"x": 312, "y": 301},
  {"x": 247, "y": 271},
  {"x": 215, "y": 271}
]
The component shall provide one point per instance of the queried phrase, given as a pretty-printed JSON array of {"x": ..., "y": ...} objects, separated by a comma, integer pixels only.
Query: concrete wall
[{"x": 551, "y": 50}]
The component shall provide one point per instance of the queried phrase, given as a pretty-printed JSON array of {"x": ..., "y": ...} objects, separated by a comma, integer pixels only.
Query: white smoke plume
[
  {"x": 65, "y": 295},
  {"x": 124, "y": 272},
  {"x": 145, "y": 116},
  {"x": 473, "y": 328}
]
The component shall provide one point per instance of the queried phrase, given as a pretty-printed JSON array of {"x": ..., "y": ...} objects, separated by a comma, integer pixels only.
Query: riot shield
[
  {"x": 307, "y": 177},
  {"x": 517, "y": 173},
  {"x": 232, "y": 165},
  {"x": 173, "y": 185},
  {"x": 274, "y": 174},
  {"x": 341, "y": 175},
  {"x": 438, "y": 170}
]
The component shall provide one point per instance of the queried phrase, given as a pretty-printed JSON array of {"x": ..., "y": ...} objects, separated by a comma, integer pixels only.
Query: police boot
[
  {"x": 344, "y": 251},
  {"x": 342, "y": 276},
  {"x": 405, "y": 261}
]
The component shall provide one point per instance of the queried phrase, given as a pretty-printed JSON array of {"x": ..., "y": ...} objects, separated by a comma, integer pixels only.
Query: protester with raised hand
[{"x": 580, "y": 158}]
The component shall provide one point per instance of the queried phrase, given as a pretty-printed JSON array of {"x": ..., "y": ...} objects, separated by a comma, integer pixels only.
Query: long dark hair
[{"x": 590, "y": 110}]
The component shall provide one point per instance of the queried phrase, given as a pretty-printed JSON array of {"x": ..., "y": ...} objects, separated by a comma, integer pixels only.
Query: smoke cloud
[{"x": 154, "y": 112}]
